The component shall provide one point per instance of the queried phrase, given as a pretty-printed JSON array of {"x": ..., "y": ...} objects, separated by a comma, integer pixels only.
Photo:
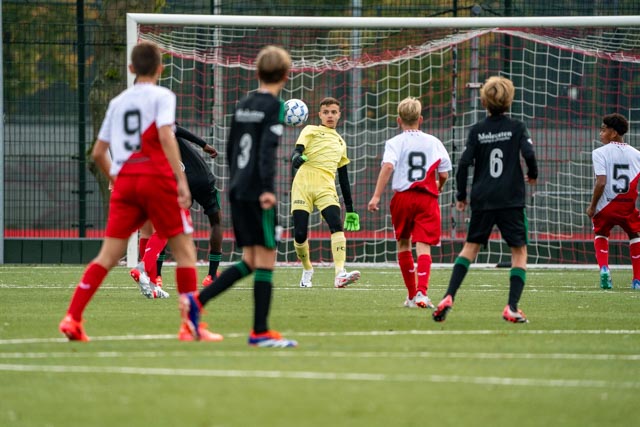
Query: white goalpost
[{"x": 568, "y": 73}]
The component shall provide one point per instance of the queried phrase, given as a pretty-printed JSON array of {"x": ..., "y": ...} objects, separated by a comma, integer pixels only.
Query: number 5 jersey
[{"x": 621, "y": 164}]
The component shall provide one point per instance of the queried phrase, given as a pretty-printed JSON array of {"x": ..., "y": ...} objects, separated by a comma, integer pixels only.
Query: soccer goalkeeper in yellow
[{"x": 319, "y": 151}]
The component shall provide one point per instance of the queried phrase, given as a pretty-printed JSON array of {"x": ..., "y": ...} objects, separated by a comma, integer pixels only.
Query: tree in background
[{"x": 111, "y": 61}]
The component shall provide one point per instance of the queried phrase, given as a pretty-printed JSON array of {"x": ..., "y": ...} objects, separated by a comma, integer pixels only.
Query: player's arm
[
  {"x": 462, "y": 174},
  {"x": 442, "y": 179},
  {"x": 297, "y": 157},
  {"x": 598, "y": 190},
  {"x": 351, "y": 218},
  {"x": 185, "y": 134},
  {"x": 383, "y": 178},
  {"x": 101, "y": 156},
  {"x": 270, "y": 137},
  {"x": 529, "y": 155},
  {"x": 171, "y": 151}
]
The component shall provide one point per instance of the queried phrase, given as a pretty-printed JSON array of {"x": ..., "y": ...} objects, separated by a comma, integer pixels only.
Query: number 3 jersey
[
  {"x": 417, "y": 158},
  {"x": 131, "y": 129},
  {"x": 620, "y": 163},
  {"x": 494, "y": 146}
]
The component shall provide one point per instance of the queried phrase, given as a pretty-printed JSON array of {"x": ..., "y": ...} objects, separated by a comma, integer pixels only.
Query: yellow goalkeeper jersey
[{"x": 324, "y": 147}]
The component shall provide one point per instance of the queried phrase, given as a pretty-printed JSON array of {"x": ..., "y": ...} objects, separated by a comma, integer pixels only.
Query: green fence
[{"x": 63, "y": 61}]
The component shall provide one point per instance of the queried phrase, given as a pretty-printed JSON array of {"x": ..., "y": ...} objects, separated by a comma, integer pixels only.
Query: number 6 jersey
[
  {"x": 494, "y": 146},
  {"x": 620, "y": 163}
]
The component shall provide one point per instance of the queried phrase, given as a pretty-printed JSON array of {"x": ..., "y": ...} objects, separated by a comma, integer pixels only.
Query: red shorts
[
  {"x": 612, "y": 215},
  {"x": 136, "y": 198},
  {"x": 416, "y": 215}
]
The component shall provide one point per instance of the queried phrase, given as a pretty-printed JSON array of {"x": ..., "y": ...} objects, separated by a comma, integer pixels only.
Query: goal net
[{"x": 568, "y": 73}]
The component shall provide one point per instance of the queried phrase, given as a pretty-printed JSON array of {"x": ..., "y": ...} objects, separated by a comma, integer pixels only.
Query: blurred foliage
[{"x": 40, "y": 37}]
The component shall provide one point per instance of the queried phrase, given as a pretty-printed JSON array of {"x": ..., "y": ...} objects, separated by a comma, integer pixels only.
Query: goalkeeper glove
[
  {"x": 352, "y": 221},
  {"x": 298, "y": 159}
]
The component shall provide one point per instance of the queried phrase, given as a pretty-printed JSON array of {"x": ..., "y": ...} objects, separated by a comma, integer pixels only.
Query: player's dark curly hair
[{"x": 616, "y": 122}]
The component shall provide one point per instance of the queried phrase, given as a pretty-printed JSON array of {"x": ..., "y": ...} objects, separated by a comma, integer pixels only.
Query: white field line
[
  {"x": 353, "y": 265},
  {"x": 328, "y": 376},
  {"x": 364, "y": 287},
  {"x": 347, "y": 334},
  {"x": 320, "y": 354}
]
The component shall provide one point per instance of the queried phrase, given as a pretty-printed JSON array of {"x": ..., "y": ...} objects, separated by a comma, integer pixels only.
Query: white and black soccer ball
[{"x": 296, "y": 112}]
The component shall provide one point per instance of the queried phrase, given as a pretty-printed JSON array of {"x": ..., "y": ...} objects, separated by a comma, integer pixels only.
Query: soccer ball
[{"x": 296, "y": 112}]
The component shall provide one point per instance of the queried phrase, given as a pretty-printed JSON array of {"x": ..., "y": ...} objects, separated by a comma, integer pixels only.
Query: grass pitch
[{"x": 363, "y": 359}]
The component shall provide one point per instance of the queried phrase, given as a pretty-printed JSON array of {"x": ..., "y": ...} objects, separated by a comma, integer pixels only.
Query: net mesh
[{"x": 566, "y": 79}]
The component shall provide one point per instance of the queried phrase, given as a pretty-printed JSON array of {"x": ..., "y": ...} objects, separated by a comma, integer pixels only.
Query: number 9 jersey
[{"x": 131, "y": 129}]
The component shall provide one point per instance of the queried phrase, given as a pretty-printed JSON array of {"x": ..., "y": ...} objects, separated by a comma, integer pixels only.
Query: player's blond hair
[
  {"x": 273, "y": 64},
  {"x": 497, "y": 94},
  {"x": 409, "y": 110}
]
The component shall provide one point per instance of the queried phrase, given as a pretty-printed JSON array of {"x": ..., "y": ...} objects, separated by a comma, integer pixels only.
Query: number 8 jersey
[
  {"x": 417, "y": 158},
  {"x": 620, "y": 163},
  {"x": 131, "y": 129}
]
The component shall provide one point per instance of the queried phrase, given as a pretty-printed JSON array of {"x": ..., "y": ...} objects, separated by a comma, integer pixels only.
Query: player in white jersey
[
  {"x": 420, "y": 166},
  {"x": 617, "y": 169},
  {"x": 138, "y": 131}
]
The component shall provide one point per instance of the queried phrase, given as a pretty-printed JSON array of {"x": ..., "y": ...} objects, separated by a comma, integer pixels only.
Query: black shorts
[
  {"x": 203, "y": 190},
  {"x": 253, "y": 226},
  {"x": 512, "y": 223}
]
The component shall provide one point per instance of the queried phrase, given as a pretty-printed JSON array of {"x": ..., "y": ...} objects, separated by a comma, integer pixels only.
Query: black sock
[
  {"x": 159, "y": 262},
  {"x": 262, "y": 289},
  {"x": 224, "y": 282},
  {"x": 460, "y": 268},
  {"x": 214, "y": 263},
  {"x": 516, "y": 286}
]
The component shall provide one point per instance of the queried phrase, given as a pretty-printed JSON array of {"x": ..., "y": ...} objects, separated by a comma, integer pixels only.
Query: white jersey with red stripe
[
  {"x": 131, "y": 129},
  {"x": 417, "y": 158},
  {"x": 621, "y": 164}
]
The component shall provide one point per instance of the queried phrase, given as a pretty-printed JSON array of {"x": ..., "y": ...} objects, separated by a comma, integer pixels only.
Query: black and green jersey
[
  {"x": 494, "y": 146},
  {"x": 256, "y": 128}
]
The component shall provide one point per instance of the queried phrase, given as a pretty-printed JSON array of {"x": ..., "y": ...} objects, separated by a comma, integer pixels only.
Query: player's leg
[
  {"x": 247, "y": 227},
  {"x": 401, "y": 218},
  {"x": 140, "y": 273},
  {"x": 215, "y": 247},
  {"x": 480, "y": 226},
  {"x": 302, "y": 201},
  {"x": 145, "y": 233},
  {"x": 301, "y": 246},
  {"x": 155, "y": 247},
  {"x": 517, "y": 280},
  {"x": 632, "y": 227},
  {"x": 159, "y": 264},
  {"x": 634, "y": 252},
  {"x": 461, "y": 266},
  {"x": 209, "y": 199},
  {"x": 344, "y": 278},
  {"x": 407, "y": 270},
  {"x": 423, "y": 251},
  {"x": 184, "y": 253},
  {"x": 513, "y": 226},
  {"x": 94, "y": 274},
  {"x": 261, "y": 335},
  {"x": 426, "y": 233},
  {"x": 123, "y": 219},
  {"x": 601, "y": 246},
  {"x": 602, "y": 224}
]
